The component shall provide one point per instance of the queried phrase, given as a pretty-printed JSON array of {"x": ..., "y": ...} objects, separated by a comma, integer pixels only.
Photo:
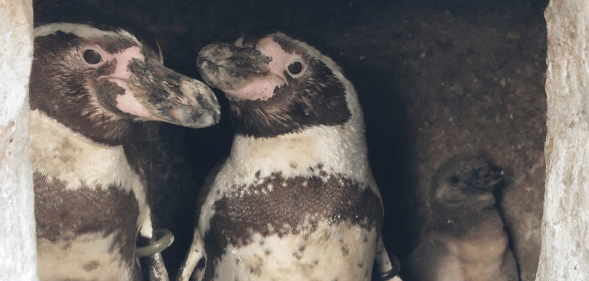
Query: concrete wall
[
  {"x": 565, "y": 225},
  {"x": 18, "y": 252}
]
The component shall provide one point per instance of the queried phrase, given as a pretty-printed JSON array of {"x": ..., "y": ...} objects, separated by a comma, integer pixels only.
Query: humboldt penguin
[
  {"x": 91, "y": 81},
  {"x": 465, "y": 239},
  {"x": 295, "y": 199}
]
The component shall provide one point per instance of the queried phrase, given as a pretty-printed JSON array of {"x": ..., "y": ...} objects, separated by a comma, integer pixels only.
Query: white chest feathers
[
  {"x": 61, "y": 154},
  {"x": 278, "y": 212},
  {"x": 479, "y": 253},
  {"x": 329, "y": 252},
  {"x": 292, "y": 229},
  {"x": 89, "y": 205}
]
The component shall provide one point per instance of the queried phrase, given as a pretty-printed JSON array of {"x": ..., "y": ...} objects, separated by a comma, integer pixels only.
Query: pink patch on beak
[
  {"x": 129, "y": 104},
  {"x": 260, "y": 89}
]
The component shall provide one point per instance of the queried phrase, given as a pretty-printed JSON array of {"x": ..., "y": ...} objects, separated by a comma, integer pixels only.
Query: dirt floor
[{"x": 435, "y": 78}]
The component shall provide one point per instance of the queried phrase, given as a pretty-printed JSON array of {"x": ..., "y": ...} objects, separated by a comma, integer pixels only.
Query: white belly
[
  {"x": 88, "y": 257},
  {"x": 343, "y": 253}
]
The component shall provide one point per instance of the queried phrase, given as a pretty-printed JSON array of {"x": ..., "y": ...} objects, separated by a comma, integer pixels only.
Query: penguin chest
[
  {"x": 478, "y": 255},
  {"x": 88, "y": 206},
  {"x": 297, "y": 228},
  {"x": 86, "y": 233}
]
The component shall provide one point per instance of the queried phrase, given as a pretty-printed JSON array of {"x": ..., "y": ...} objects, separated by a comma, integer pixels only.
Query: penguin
[
  {"x": 465, "y": 238},
  {"x": 91, "y": 81},
  {"x": 295, "y": 199}
]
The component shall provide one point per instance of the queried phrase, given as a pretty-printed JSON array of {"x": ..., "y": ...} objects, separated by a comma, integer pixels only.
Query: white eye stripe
[{"x": 82, "y": 31}]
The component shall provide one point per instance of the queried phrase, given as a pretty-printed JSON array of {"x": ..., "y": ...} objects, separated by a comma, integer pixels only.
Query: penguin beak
[
  {"x": 488, "y": 180},
  {"x": 229, "y": 67},
  {"x": 172, "y": 97}
]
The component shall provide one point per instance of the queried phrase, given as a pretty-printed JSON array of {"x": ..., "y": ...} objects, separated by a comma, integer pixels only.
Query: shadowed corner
[
  {"x": 182, "y": 158},
  {"x": 389, "y": 153}
]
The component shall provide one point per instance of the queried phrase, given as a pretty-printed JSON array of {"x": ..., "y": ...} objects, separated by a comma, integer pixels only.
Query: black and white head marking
[
  {"x": 312, "y": 116},
  {"x": 297, "y": 87},
  {"x": 98, "y": 80}
]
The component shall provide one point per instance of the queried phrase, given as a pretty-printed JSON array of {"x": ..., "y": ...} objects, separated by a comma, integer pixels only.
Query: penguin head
[
  {"x": 277, "y": 84},
  {"x": 464, "y": 184},
  {"x": 97, "y": 79}
]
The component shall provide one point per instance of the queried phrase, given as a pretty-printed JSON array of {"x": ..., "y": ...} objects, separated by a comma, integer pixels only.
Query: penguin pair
[
  {"x": 295, "y": 199},
  {"x": 91, "y": 80}
]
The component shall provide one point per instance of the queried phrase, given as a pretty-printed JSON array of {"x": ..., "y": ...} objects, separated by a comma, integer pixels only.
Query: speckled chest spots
[
  {"x": 343, "y": 252},
  {"x": 278, "y": 205},
  {"x": 64, "y": 214}
]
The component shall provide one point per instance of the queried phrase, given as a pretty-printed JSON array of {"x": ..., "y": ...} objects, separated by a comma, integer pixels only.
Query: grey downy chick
[{"x": 465, "y": 238}]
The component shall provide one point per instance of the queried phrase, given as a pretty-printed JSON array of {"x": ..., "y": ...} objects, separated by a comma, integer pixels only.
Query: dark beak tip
[
  {"x": 204, "y": 122},
  {"x": 203, "y": 118}
]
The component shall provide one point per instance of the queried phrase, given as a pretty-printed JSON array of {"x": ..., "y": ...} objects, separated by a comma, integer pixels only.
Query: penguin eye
[
  {"x": 295, "y": 68},
  {"x": 92, "y": 56},
  {"x": 476, "y": 173},
  {"x": 454, "y": 180}
]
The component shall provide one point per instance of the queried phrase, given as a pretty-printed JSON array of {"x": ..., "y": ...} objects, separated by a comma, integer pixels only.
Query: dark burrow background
[{"x": 435, "y": 78}]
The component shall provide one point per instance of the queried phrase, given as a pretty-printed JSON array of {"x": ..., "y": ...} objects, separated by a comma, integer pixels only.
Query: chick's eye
[
  {"x": 454, "y": 180},
  {"x": 295, "y": 68},
  {"x": 92, "y": 56}
]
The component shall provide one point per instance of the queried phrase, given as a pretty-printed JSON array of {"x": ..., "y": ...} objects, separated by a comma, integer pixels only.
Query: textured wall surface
[
  {"x": 565, "y": 231},
  {"x": 471, "y": 83},
  {"x": 18, "y": 252}
]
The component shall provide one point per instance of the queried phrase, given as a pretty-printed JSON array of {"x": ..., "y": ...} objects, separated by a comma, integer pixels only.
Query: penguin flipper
[
  {"x": 386, "y": 270},
  {"x": 194, "y": 256}
]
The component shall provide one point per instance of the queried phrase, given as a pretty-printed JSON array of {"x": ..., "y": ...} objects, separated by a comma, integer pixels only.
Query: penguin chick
[
  {"x": 295, "y": 199},
  {"x": 90, "y": 82},
  {"x": 465, "y": 238}
]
